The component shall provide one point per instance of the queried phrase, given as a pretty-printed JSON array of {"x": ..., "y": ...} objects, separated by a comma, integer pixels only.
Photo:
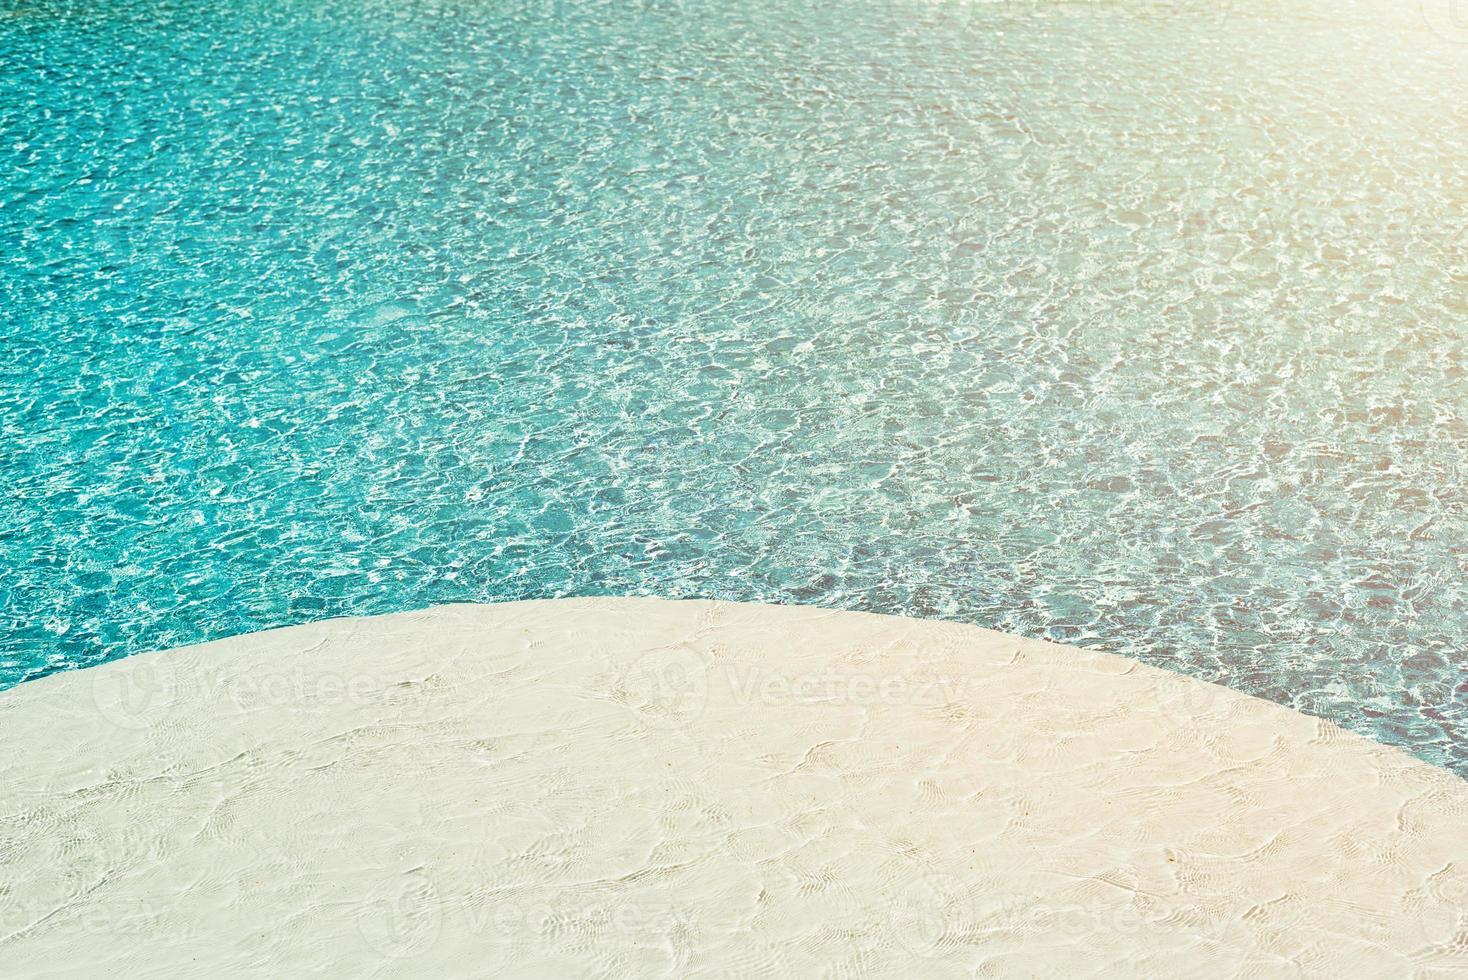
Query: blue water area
[{"x": 1136, "y": 325}]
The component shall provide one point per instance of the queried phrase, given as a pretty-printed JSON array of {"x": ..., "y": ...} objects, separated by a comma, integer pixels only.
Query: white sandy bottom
[{"x": 638, "y": 788}]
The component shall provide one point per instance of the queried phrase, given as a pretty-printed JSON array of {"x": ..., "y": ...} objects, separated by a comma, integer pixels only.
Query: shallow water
[{"x": 1132, "y": 325}]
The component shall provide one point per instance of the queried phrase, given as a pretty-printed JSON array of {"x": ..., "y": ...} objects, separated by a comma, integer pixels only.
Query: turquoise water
[{"x": 1132, "y": 325}]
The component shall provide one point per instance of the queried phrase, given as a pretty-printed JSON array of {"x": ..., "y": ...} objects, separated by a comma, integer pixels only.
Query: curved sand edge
[{"x": 636, "y": 787}]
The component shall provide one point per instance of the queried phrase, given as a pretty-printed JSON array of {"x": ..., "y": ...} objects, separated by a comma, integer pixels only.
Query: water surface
[{"x": 1132, "y": 325}]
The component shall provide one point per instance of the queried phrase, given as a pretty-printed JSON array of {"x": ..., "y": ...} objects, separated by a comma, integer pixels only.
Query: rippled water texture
[{"x": 1131, "y": 325}]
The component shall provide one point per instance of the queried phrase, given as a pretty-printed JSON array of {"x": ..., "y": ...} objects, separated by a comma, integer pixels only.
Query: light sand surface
[{"x": 640, "y": 788}]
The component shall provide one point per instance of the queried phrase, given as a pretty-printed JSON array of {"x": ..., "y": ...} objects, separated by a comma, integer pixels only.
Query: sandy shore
[{"x": 639, "y": 788}]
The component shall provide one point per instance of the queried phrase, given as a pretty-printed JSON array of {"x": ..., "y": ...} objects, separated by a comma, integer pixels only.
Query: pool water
[{"x": 1136, "y": 325}]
